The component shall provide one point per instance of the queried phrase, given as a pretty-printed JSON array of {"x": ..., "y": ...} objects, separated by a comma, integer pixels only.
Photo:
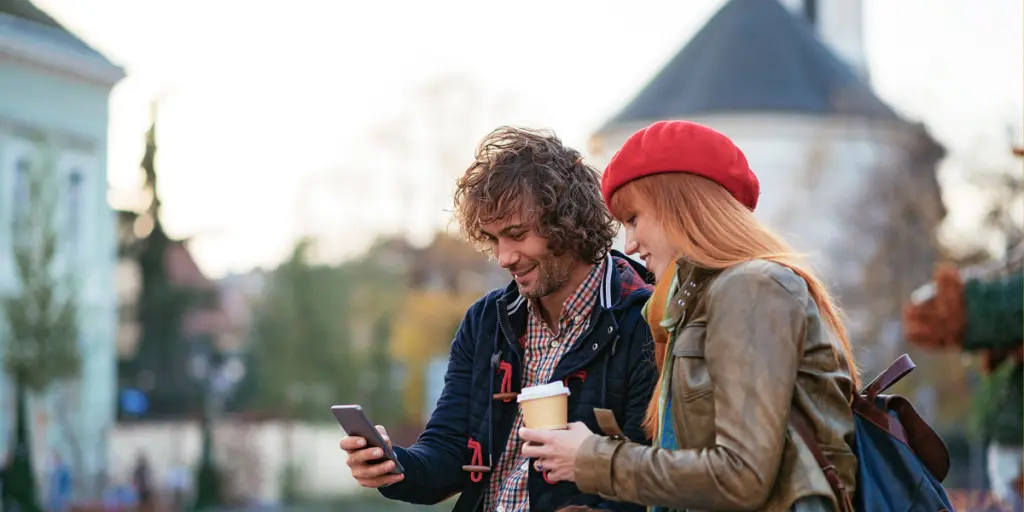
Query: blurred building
[
  {"x": 54, "y": 98},
  {"x": 843, "y": 175},
  {"x": 239, "y": 295}
]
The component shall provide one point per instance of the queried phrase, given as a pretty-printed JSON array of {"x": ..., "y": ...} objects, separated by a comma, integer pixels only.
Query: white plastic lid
[{"x": 543, "y": 391}]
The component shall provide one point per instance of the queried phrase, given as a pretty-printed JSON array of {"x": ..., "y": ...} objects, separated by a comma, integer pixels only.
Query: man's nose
[{"x": 507, "y": 257}]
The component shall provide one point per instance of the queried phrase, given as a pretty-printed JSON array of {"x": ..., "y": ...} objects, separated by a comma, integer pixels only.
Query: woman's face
[{"x": 646, "y": 238}]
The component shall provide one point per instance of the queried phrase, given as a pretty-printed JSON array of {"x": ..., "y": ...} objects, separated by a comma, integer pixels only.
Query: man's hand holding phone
[{"x": 370, "y": 466}]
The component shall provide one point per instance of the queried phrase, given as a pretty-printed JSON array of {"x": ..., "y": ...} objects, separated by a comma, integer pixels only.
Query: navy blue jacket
[{"x": 611, "y": 366}]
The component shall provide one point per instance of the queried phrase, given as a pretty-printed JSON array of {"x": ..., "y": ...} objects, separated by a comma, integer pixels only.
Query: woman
[{"x": 745, "y": 331}]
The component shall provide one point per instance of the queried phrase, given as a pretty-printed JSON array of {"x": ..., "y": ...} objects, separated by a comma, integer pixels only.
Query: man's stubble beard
[{"x": 552, "y": 274}]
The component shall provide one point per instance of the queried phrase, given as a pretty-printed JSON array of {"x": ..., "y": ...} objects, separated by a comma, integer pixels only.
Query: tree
[
  {"x": 301, "y": 351},
  {"x": 159, "y": 367},
  {"x": 41, "y": 346},
  {"x": 302, "y": 360},
  {"x": 315, "y": 329},
  {"x": 374, "y": 288},
  {"x": 1002, "y": 187}
]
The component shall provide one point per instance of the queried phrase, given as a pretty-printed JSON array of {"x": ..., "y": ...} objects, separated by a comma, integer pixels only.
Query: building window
[{"x": 74, "y": 208}]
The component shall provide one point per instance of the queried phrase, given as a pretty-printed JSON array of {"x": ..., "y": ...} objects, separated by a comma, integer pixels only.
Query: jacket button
[
  {"x": 610, "y": 329},
  {"x": 594, "y": 346}
]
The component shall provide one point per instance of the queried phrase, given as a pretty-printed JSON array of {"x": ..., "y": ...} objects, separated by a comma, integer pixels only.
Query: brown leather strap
[
  {"x": 803, "y": 428},
  {"x": 896, "y": 371},
  {"x": 916, "y": 433},
  {"x": 880, "y": 418},
  {"x": 606, "y": 420}
]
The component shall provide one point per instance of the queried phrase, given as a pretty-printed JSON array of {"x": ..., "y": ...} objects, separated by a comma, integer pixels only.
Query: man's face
[{"x": 536, "y": 270}]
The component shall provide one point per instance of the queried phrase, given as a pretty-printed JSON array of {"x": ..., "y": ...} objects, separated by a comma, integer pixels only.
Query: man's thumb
[{"x": 384, "y": 434}]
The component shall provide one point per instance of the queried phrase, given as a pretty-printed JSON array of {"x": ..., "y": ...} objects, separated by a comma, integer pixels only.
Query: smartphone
[{"x": 355, "y": 423}]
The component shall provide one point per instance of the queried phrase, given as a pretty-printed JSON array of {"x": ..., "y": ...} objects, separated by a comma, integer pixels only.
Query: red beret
[{"x": 682, "y": 146}]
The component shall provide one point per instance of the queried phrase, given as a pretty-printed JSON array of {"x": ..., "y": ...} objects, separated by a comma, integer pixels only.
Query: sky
[{"x": 272, "y": 113}]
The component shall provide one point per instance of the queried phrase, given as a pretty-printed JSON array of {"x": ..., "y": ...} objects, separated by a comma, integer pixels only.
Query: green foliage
[
  {"x": 304, "y": 352},
  {"x": 291, "y": 478},
  {"x": 381, "y": 399},
  {"x": 41, "y": 346}
]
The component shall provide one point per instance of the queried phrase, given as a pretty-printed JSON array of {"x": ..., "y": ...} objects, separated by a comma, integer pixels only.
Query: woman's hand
[{"x": 555, "y": 450}]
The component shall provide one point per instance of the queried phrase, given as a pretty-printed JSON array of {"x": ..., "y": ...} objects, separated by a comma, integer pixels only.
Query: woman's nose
[
  {"x": 631, "y": 244},
  {"x": 632, "y": 247}
]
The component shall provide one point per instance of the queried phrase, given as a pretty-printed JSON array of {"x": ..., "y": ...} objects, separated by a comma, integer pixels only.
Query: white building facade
[{"x": 54, "y": 100}]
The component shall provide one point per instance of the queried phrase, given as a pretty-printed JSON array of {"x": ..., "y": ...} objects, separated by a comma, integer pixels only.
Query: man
[
  {"x": 572, "y": 313},
  {"x": 142, "y": 479}
]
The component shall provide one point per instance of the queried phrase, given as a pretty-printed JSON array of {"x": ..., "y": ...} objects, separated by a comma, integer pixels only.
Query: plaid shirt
[{"x": 544, "y": 349}]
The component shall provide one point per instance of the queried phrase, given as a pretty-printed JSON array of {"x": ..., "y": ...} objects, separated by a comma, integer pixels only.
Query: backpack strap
[
  {"x": 803, "y": 428},
  {"x": 896, "y": 416},
  {"x": 896, "y": 371}
]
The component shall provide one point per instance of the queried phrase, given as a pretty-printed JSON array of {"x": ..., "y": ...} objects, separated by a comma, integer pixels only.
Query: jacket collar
[{"x": 686, "y": 291}]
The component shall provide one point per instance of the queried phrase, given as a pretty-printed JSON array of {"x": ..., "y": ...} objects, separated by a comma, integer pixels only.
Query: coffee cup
[{"x": 545, "y": 407}]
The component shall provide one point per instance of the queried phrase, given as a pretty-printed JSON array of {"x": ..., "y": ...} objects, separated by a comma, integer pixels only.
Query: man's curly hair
[{"x": 530, "y": 172}]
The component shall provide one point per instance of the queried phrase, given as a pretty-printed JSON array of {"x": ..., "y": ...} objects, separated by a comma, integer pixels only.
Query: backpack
[{"x": 901, "y": 461}]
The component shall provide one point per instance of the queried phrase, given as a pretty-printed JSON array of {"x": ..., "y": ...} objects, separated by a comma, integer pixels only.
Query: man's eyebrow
[
  {"x": 506, "y": 230},
  {"x": 513, "y": 227}
]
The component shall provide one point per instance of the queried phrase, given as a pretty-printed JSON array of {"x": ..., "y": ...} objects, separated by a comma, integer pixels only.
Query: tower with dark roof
[{"x": 843, "y": 175}]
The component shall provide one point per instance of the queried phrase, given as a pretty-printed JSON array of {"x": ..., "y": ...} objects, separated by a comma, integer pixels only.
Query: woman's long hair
[{"x": 709, "y": 227}]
